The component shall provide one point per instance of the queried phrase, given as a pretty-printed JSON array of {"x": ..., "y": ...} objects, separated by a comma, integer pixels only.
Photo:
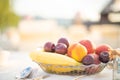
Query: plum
[
  {"x": 96, "y": 59},
  {"x": 104, "y": 57},
  {"x": 61, "y": 48},
  {"x": 91, "y": 59},
  {"x": 63, "y": 40},
  {"x": 88, "y": 59},
  {"x": 49, "y": 47}
]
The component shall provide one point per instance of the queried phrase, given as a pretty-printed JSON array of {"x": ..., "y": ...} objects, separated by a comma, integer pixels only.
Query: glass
[
  {"x": 72, "y": 70},
  {"x": 116, "y": 65}
]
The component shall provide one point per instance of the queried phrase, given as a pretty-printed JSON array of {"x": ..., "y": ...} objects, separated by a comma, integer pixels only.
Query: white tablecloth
[{"x": 20, "y": 60}]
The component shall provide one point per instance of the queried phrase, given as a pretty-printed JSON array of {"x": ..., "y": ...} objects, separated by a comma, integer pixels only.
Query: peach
[
  {"x": 102, "y": 47},
  {"x": 90, "y": 46},
  {"x": 77, "y": 51},
  {"x": 70, "y": 49}
]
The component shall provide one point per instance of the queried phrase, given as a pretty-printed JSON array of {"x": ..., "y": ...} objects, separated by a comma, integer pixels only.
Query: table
[{"x": 20, "y": 60}]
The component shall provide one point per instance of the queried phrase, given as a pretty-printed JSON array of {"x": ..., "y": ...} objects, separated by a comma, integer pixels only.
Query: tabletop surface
[{"x": 19, "y": 60}]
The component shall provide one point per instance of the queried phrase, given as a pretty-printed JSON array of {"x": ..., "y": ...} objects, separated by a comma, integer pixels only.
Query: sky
[{"x": 89, "y": 9}]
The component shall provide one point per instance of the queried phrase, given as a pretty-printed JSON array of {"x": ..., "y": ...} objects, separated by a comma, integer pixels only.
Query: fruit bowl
[{"x": 72, "y": 70}]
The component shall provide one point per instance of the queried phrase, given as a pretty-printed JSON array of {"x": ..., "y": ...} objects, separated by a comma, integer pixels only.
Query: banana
[
  {"x": 40, "y": 56},
  {"x": 52, "y": 58}
]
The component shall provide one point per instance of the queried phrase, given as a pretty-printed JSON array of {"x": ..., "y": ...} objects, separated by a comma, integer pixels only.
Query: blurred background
[{"x": 28, "y": 24}]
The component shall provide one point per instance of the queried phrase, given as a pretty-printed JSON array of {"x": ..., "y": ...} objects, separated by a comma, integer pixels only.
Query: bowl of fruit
[{"x": 81, "y": 58}]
